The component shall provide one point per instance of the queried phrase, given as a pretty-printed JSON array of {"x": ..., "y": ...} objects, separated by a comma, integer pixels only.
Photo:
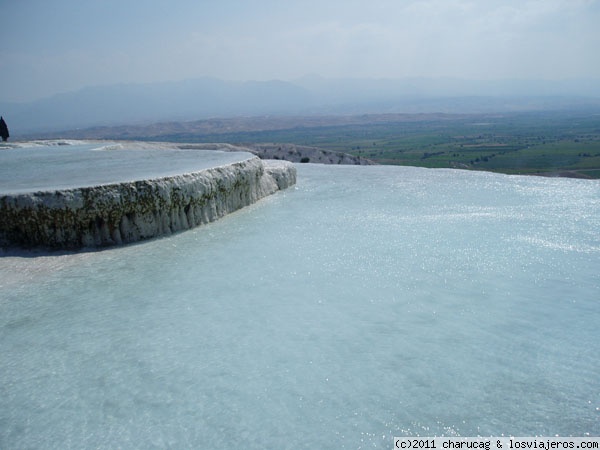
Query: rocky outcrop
[
  {"x": 132, "y": 211},
  {"x": 286, "y": 152},
  {"x": 305, "y": 154}
]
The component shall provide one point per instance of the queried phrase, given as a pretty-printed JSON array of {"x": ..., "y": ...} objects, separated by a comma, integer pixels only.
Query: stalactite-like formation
[{"x": 120, "y": 213}]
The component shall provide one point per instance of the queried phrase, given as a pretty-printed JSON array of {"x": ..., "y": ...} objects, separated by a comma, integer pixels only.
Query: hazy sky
[{"x": 60, "y": 45}]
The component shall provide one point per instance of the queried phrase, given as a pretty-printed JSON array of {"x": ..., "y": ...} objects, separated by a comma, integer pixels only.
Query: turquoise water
[
  {"x": 364, "y": 303},
  {"x": 81, "y": 164}
]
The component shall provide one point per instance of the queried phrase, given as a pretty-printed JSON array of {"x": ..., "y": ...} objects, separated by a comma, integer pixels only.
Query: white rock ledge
[{"x": 120, "y": 213}]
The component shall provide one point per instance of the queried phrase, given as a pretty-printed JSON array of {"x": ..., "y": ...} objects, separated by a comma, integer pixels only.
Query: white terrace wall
[{"x": 120, "y": 213}]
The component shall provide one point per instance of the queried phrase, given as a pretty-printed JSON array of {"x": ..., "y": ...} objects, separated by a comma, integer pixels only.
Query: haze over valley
[
  {"x": 203, "y": 98},
  {"x": 67, "y": 64}
]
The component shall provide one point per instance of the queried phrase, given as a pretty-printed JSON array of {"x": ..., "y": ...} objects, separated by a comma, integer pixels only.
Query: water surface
[
  {"x": 83, "y": 164},
  {"x": 365, "y": 302}
]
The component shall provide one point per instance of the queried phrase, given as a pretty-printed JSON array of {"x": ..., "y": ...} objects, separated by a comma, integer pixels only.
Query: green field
[
  {"x": 565, "y": 143},
  {"x": 522, "y": 144}
]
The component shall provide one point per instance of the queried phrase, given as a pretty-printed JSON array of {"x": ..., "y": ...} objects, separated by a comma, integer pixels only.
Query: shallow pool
[{"x": 365, "y": 303}]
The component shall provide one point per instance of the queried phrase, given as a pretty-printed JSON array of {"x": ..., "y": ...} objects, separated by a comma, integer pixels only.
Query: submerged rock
[{"x": 132, "y": 211}]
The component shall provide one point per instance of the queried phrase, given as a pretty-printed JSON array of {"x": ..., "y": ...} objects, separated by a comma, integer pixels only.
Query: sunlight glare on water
[{"x": 363, "y": 303}]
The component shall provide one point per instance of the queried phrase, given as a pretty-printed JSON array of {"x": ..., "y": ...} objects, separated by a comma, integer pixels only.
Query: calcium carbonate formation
[{"x": 132, "y": 211}]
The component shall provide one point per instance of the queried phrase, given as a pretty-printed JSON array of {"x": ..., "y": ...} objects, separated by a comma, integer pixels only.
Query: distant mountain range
[{"x": 138, "y": 104}]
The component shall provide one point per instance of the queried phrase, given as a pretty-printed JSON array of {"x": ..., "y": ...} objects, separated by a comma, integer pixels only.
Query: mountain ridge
[{"x": 204, "y": 98}]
